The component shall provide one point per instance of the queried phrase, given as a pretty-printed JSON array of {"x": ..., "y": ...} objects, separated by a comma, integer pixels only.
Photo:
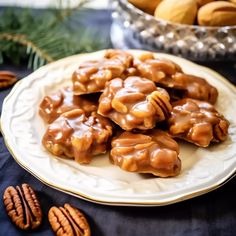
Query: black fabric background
[{"x": 211, "y": 214}]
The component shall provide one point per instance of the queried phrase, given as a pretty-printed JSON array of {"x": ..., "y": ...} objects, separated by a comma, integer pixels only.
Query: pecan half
[
  {"x": 22, "y": 206},
  {"x": 68, "y": 220},
  {"x": 7, "y": 78},
  {"x": 160, "y": 100}
]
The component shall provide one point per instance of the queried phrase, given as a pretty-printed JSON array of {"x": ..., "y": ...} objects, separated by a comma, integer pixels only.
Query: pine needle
[
  {"x": 42, "y": 37},
  {"x": 31, "y": 47}
]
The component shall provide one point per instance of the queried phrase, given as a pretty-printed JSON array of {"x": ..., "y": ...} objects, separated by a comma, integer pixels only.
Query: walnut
[
  {"x": 22, "y": 206},
  {"x": 73, "y": 135},
  {"x": 134, "y": 103},
  {"x": 197, "y": 122},
  {"x": 146, "y": 6},
  {"x": 53, "y": 105},
  {"x": 7, "y": 79},
  {"x": 183, "y": 12},
  {"x": 217, "y": 13},
  {"x": 201, "y": 3},
  {"x": 169, "y": 75},
  {"x": 91, "y": 76},
  {"x": 68, "y": 220},
  {"x": 153, "y": 152}
]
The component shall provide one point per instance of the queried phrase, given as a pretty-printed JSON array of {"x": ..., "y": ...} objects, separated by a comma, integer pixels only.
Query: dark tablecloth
[{"x": 211, "y": 214}]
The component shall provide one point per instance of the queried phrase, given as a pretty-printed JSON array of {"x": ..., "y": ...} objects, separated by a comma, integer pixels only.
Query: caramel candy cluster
[
  {"x": 134, "y": 103},
  {"x": 136, "y": 94},
  {"x": 197, "y": 122},
  {"x": 194, "y": 87},
  {"x": 155, "y": 69},
  {"x": 153, "y": 152},
  {"x": 52, "y": 106},
  {"x": 169, "y": 75},
  {"x": 91, "y": 76},
  {"x": 73, "y": 135}
]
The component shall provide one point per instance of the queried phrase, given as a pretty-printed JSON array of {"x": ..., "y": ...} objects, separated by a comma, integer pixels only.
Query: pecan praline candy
[
  {"x": 55, "y": 104},
  {"x": 73, "y": 135},
  {"x": 22, "y": 206},
  {"x": 68, "y": 220},
  {"x": 153, "y": 151},
  {"x": 169, "y": 75},
  {"x": 134, "y": 103},
  {"x": 197, "y": 122},
  {"x": 91, "y": 76}
]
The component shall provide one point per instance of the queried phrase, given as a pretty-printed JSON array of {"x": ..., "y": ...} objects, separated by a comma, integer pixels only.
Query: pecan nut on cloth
[
  {"x": 23, "y": 207},
  {"x": 92, "y": 75},
  {"x": 168, "y": 74},
  {"x": 197, "y": 122},
  {"x": 68, "y": 221},
  {"x": 7, "y": 78},
  {"x": 74, "y": 135},
  {"x": 53, "y": 105},
  {"x": 134, "y": 103},
  {"x": 153, "y": 152}
]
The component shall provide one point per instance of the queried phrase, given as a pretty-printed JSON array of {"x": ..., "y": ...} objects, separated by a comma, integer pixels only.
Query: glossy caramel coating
[
  {"x": 197, "y": 122},
  {"x": 53, "y": 105},
  {"x": 168, "y": 74},
  {"x": 155, "y": 69},
  {"x": 152, "y": 152},
  {"x": 75, "y": 136},
  {"x": 194, "y": 87},
  {"x": 124, "y": 57},
  {"x": 134, "y": 103},
  {"x": 91, "y": 76}
]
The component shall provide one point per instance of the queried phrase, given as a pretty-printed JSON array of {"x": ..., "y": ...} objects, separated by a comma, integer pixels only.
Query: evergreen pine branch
[
  {"x": 22, "y": 39},
  {"x": 44, "y": 37},
  {"x": 63, "y": 14}
]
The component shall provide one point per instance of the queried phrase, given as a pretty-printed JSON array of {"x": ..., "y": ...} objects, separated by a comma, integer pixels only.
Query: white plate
[{"x": 203, "y": 169}]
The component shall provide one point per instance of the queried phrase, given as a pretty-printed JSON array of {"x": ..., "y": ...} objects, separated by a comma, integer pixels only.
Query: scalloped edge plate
[{"x": 101, "y": 182}]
